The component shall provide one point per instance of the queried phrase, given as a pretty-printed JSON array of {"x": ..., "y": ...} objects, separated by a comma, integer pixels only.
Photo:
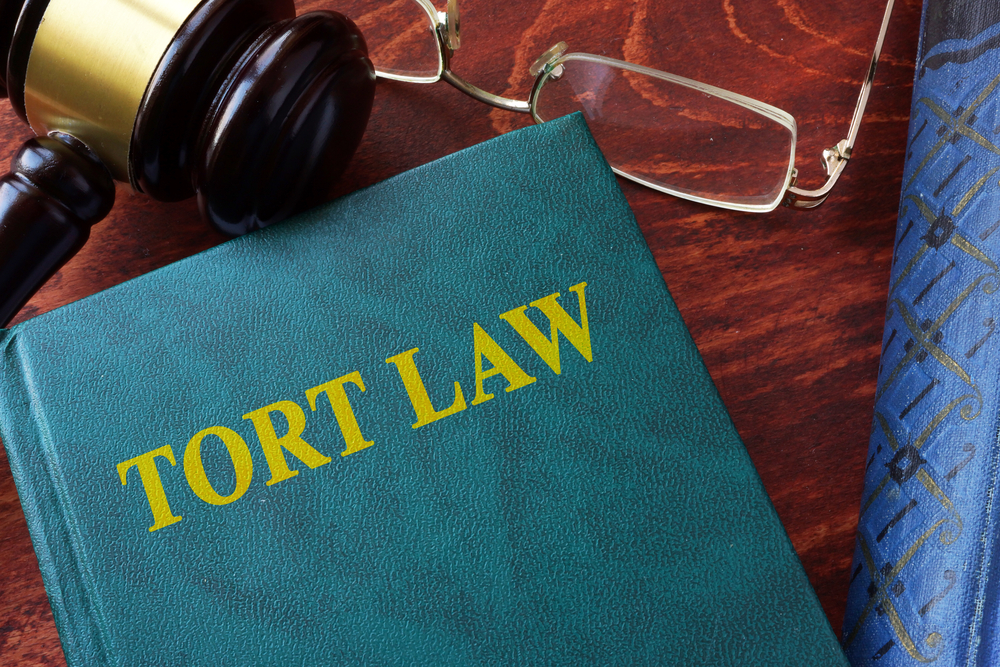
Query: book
[
  {"x": 453, "y": 418},
  {"x": 924, "y": 583}
]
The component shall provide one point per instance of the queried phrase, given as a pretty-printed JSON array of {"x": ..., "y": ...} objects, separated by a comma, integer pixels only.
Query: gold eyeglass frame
[{"x": 446, "y": 28}]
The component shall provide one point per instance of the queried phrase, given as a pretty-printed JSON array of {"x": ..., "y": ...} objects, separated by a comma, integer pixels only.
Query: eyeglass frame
[{"x": 446, "y": 28}]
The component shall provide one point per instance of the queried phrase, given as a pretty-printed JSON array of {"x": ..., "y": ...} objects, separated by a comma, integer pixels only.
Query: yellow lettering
[
  {"x": 417, "y": 392},
  {"x": 560, "y": 322},
  {"x": 291, "y": 441},
  {"x": 502, "y": 365},
  {"x": 153, "y": 485},
  {"x": 194, "y": 467},
  {"x": 337, "y": 395}
]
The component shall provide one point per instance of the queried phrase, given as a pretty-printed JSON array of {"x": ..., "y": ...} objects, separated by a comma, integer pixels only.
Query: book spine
[
  {"x": 53, "y": 535},
  {"x": 923, "y": 584}
]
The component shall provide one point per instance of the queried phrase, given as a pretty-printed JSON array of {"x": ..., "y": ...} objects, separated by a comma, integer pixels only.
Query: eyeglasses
[{"x": 672, "y": 134}]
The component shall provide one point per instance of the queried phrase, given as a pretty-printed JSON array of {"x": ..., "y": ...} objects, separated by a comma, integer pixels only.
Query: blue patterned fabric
[{"x": 924, "y": 579}]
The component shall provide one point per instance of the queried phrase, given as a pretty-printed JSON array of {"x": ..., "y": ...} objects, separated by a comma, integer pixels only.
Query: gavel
[{"x": 253, "y": 110}]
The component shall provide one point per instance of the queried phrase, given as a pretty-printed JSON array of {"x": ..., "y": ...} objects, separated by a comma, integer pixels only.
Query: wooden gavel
[{"x": 239, "y": 102}]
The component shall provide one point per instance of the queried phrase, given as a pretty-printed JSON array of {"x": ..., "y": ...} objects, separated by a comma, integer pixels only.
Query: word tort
[{"x": 275, "y": 446}]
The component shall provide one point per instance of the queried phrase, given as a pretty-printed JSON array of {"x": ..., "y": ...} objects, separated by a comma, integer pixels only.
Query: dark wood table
[{"x": 787, "y": 308}]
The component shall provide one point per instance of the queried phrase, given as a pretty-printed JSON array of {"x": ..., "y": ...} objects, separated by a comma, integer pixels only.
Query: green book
[{"x": 451, "y": 419}]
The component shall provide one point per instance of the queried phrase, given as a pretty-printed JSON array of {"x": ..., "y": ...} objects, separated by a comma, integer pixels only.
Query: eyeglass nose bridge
[{"x": 449, "y": 40}]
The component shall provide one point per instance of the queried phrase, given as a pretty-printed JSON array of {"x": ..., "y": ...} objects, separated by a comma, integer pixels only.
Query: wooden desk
[{"x": 787, "y": 308}]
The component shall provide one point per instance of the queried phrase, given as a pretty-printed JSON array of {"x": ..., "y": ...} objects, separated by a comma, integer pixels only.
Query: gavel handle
[{"x": 56, "y": 191}]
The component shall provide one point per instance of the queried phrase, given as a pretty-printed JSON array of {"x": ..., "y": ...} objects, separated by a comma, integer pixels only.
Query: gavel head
[{"x": 238, "y": 101}]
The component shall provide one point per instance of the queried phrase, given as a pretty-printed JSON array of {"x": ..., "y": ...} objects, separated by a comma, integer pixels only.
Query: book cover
[
  {"x": 454, "y": 418},
  {"x": 925, "y": 579}
]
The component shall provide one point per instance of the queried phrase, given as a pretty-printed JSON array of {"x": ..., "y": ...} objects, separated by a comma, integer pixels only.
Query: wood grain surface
[{"x": 787, "y": 308}]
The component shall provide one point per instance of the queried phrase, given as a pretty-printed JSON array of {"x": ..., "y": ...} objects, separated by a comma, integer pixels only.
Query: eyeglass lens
[
  {"x": 400, "y": 37},
  {"x": 688, "y": 140},
  {"x": 671, "y": 136}
]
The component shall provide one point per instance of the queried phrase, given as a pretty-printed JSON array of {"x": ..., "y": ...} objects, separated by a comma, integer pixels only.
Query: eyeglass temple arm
[{"x": 835, "y": 158}]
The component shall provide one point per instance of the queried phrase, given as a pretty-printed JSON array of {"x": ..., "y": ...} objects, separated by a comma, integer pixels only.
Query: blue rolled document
[{"x": 926, "y": 573}]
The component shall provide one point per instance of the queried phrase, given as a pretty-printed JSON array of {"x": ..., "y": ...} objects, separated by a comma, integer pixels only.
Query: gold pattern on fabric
[
  {"x": 889, "y": 435},
  {"x": 896, "y": 371},
  {"x": 957, "y": 125},
  {"x": 924, "y": 340},
  {"x": 919, "y": 442},
  {"x": 977, "y": 186},
  {"x": 947, "y": 537},
  {"x": 965, "y": 246},
  {"x": 924, "y": 208},
  {"x": 909, "y": 267},
  {"x": 875, "y": 494},
  {"x": 904, "y": 637},
  {"x": 891, "y": 438},
  {"x": 949, "y": 215},
  {"x": 940, "y": 416},
  {"x": 883, "y": 587},
  {"x": 930, "y": 154}
]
